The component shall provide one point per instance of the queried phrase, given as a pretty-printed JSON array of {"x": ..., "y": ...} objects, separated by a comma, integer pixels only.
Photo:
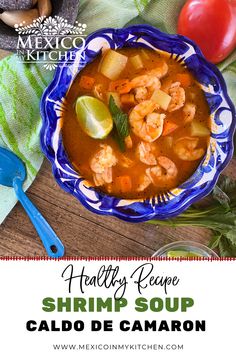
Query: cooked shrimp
[
  {"x": 160, "y": 71},
  {"x": 144, "y": 84},
  {"x": 140, "y": 85},
  {"x": 147, "y": 81},
  {"x": 146, "y": 123},
  {"x": 140, "y": 94},
  {"x": 125, "y": 162},
  {"x": 102, "y": 163},
  {"x": 103, "y": 178},
  {"x": 144, "y": 182},
  {"x": 189, "y": 111},
  {"x": 164, "y": 172},
  {"x": 169, "y": 166},
  {"x": 177, "y": 94},
  {"x": 103, "y": 159},
  {"x": 145, "y": 153},
  {"x": 98, "y": 91},
  {"x": 186, "y": 149},
  {"x": 154, "y": 172}
]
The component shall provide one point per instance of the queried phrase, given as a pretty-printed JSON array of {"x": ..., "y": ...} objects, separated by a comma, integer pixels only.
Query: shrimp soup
[{"x": 136, "y": 123}]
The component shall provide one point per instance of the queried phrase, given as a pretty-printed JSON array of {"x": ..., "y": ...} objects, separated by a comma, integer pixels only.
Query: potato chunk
[
  {"x": 113, "y": 64},
  {"x": 198, "y": 129},
  {"x": 136, "y": 61},
  {"x": 161, "y": 98}
]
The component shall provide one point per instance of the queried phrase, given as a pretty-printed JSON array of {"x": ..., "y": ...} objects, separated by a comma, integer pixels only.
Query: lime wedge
[
  {"x": 93, "y": 116},
  {"x": 181, "y": 253}
]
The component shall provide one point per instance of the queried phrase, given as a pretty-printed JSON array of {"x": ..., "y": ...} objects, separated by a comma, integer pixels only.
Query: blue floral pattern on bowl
[{"x": 219, "y": 151}]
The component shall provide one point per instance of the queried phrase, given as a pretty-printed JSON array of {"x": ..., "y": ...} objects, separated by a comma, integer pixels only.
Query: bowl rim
[
  {"x": 153, "y": 214},
  {"x": 188, "y": 244}
]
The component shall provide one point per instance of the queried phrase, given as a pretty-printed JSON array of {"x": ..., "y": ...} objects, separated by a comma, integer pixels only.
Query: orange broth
[{"x": 81, "y": 148}]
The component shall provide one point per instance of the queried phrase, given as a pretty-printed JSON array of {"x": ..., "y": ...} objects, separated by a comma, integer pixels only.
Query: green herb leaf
[
  {"x": 119, "y": 141},
  {"x": 226, "y": 248},
  {"x": 121, "y": 121},
  {"x": 219, "y": 195},
  {"x": 219, "y": 216},
  {"x": 231, "y": 236},
  {"x": 227, "y": 185},
  {"x": 215, "y": 240}
]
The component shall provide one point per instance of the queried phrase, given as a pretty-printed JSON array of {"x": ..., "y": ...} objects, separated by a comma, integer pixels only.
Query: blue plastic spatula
[{"x": 13, "y": 174}]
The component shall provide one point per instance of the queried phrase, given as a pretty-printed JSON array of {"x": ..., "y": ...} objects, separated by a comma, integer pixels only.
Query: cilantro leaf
[
  {"x": 226, "y": 248},
  {"x": 215, "y": 241},
  {"x": 121, "y": 122}
]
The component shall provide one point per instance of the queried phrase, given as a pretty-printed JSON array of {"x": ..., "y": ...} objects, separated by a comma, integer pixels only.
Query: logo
[{"x": 48, "y": 40}]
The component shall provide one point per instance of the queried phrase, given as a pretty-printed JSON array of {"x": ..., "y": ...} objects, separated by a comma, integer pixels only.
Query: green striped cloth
[{"x": 21, "y": 86}]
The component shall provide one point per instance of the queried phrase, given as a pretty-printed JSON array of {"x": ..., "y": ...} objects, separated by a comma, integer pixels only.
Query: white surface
[{"x": 24, "y": 284}]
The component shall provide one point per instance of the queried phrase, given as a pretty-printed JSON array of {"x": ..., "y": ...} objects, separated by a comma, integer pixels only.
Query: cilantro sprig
[{"x": 219, "y": 216}]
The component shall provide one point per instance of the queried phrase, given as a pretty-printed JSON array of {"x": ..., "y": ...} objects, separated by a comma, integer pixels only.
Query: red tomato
[{"x": 212, "y": 25}]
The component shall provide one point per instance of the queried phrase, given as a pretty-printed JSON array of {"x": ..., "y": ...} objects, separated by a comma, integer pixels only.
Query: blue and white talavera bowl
[{"x": 219, "y": 151}]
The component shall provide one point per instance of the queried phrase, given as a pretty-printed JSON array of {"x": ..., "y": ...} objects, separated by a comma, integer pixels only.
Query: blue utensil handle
[{"x": 50, "y": 240}]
